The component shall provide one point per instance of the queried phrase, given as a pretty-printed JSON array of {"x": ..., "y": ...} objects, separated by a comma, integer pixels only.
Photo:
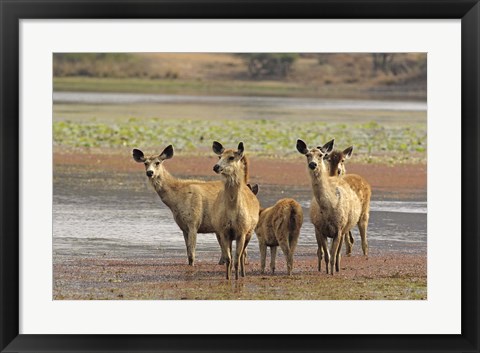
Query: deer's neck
[
  {"x": 233, "y": 184},
  {"x": 324, "y": 190},
  {"x": 164, "y": 184}
]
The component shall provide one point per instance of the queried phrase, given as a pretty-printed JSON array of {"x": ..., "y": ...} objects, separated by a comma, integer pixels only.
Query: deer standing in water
[
  {"x": 336, "y": 162},
  {"x": 190, "y": 201},
  {"x": 235, "y": 210},
  {"x": 278, "y": 225},
  {"x": 335, "y": 207}
]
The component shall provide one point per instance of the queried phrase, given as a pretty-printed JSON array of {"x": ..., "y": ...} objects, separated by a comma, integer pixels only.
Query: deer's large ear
[
  {"x": 328, "y": 147},
  {"x": 217, "y": 148},
  {"x": 240, "y": 149},
  {"x": 167, "y": 152},
  {"x": 348, "y": 152},
  {"x": 138, "y": 156},
  {"x": 302, "y": 147},
  {"x": 253, "y": 187}
]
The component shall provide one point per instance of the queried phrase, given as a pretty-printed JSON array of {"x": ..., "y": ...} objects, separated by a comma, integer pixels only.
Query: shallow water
[
  {"x": 135, "y": 223},
  {"x": 252, "y": 102}
]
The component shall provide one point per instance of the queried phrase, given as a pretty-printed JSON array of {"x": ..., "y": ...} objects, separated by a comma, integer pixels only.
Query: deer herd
[{"x": 229, "y": 207}]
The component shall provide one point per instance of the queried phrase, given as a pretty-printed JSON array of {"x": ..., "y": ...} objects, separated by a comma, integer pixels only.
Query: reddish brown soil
[
  {"x": 399, "y": 179},
  {"x": 383, "y": 276}
]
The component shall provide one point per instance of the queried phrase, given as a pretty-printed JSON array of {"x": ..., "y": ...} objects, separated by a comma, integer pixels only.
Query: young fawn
[{"x": 278, "y": 225}]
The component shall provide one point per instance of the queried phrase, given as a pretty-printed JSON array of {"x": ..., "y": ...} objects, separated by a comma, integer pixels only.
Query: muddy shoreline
[
  {"x": 400, "y": 181},
  {"x": 386, "y": 275}
]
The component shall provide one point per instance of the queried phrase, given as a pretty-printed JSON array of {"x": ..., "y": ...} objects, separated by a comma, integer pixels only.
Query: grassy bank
[
  {"x": 165, "y": 86},
  {"x": 373, "y": 142},
  {"x": 221, "y": 87}
]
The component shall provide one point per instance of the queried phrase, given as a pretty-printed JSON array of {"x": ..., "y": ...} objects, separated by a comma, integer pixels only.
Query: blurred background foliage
[
  {"x": 402, "y": 72},
  {"x": 378, "y": 135}
]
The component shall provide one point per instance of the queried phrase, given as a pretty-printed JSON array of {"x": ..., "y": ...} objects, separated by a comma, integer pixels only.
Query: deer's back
[
  {"x": 191, "y": 203},
  {"x": 362, "y": 188},
  {"x": 208, "y": 192},
  {"x": 351, "y": 205},
  {"x": 279, "y": 221}
]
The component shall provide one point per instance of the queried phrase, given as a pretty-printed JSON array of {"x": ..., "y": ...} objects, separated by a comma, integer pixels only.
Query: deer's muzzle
[{"x": 217, "y": 169}]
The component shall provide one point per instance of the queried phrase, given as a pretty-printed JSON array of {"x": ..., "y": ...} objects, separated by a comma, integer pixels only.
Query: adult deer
[
  {"x": 336, "y": 163},
  {"x": 190, "y": 201},
  {"x": 235, "y": 210},
  {"x": 335, "y": 207}
]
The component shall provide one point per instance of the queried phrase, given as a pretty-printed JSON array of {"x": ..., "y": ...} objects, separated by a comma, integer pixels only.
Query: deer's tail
[{"x": 295, "y": 220}]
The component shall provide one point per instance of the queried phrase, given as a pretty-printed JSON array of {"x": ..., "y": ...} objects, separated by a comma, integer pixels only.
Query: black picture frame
[{"x": 12, "y": 12}]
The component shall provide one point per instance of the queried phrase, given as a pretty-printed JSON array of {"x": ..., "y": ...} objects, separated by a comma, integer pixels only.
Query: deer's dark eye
[
  {"x": 231, "y": 158},
  {"x": 146, "y": 163},
  {"x": 219, "y": 157},
  {"x": 157, "y": 163}
]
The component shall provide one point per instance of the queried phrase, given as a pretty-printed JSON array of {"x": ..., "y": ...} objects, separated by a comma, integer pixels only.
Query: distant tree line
[
  {"x": 269, "y": 65},
  {"x": 386, "y": 63},
  {"x": 97, "y": 65}
]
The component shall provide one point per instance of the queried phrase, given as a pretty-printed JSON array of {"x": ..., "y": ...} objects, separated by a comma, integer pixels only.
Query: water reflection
[
  {"x": 138, "y": 224},
  {"x": 263, "y": 102}
]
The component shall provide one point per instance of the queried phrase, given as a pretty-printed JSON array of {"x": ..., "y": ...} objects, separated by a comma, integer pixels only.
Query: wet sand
[
  {"x": 386, "y": 274},
  {"x": 380, "y": 277}
]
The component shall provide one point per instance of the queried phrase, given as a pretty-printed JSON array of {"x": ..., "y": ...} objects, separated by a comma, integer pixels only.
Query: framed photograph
[{"x": 285, "y": 176}]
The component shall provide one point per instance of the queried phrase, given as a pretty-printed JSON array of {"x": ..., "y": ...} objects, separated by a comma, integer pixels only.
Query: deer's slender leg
[
  {"x": 222, "y": 257},
  {"x": 320, "y": 250},
  {"x": 339, "y": 254},
  {"x": 263, "y": 255},
  {"x": 189, "y": 249},
  {"x": 362, "y": 227},
  {"x": 226, "y": 253},
  {"x": 348, "y": 243},
  {"x": 240, "y": 244},
  {"x": 273, "y": 255},
  {"x": 243, "y": 259},
  {"x": 192, "y": 243},
  {"x": 287, "y": 252},
  {"x": 334, "y": 250}
]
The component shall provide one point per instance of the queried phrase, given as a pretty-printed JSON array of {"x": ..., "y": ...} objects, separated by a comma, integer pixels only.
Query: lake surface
[
  {"x": 127, "y": 222},
  {"x": 130, "y": 223},
  {"x": 257, "y": 102}
]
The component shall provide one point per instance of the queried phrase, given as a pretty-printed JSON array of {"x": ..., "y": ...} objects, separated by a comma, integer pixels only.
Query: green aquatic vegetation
[{"x": 372, "y": 141}]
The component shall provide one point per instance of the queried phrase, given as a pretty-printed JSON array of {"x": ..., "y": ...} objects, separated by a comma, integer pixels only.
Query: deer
[
  {"x": 278, "y": 225},
  {"x": 335, "y": 207},
  {"x": 336, "y": 165},
  {"x": 235, "y": 209},
  {"x": 190, "y": 201},
  {"x": 336, "y": 161}
]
